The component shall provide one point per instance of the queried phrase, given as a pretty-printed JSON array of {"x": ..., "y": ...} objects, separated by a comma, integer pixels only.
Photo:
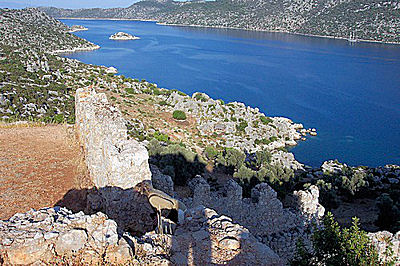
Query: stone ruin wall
[
  {"x": 279, "y": 228},
  {"x": 263, "y": 214},
  {"x": 112, "y": 159},
  {"x": 115, "y": 163}
]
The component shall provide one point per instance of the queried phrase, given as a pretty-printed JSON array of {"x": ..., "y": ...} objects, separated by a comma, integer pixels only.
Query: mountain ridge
[{"x": 370, "y": 20}]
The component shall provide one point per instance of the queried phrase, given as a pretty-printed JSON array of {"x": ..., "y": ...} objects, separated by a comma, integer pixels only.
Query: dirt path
[{"x": 38, "y": 166}]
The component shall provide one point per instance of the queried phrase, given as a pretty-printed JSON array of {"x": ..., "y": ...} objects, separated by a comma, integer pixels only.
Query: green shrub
[
  {"x": 200, "y": 97},
  {"x": 163, "y": 103},
  {"x": 154, "y": 147},
  {"x": 242, "y": 126},
  {"x": 244, "y": 174},
  {"x": 333, "y": 245},
  {"x": 263, "y": 158},
  {"x": 273, "y": 138},
  {"x": 231, "y": 158},
  {"x": 161, "y": 137},
  {"x": 177, "y": 161},
  {"x": 265, "y": 120},
  {"x": 59, "y": 118},
  {"x": 179, "y": 115},
  {"x": 211, "y": 152},
  {"x": 130, "y": 90}
]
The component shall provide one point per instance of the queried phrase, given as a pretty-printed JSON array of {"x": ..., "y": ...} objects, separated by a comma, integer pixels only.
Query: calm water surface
[{"x": 350, "y": 93}]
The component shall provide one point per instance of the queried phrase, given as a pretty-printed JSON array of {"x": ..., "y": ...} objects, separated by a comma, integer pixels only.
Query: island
[
  {"x": 76, "y": 28},
  {"x": 122, "y": 36}
]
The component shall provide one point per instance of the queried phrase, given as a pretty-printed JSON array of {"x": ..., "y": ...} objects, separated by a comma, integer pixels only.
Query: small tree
[{"x": 333, "y": 245}]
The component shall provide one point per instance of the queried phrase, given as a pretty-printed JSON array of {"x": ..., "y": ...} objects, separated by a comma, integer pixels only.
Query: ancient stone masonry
[
  {"x": 111, "y": 158},
  {"x": 279, "y": 228},
  {"x": 263, "y": 214},
  {"x": 56, "y": 236}
]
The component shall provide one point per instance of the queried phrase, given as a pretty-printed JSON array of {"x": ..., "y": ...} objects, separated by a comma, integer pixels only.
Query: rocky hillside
[
  {"x": 40, "y": 32},
  {"x": 35, "y": 83},
  {"x": 374, "y": 20}
]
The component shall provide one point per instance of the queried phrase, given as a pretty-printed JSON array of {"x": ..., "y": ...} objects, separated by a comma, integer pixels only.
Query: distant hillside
[
  {"x": 374, "y": 20},
  {"x": 40, "y": 31}
]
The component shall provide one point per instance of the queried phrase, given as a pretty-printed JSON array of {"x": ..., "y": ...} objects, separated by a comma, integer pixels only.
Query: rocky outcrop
[
  {"x": 387, "y": 245},
  {"x": 307, "y": 203},
  {"x": 112, "y": 159}
]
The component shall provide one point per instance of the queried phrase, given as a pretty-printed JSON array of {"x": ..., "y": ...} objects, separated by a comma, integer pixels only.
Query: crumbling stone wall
[
  {"x": 112, "y": 159},
  {"x": 263, "y": 214}
]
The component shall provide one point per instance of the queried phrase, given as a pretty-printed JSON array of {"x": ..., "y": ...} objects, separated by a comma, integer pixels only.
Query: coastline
[
  {"x": 233, "y": 28},
  {"x": 276, "y": 31},
  {"x": 74, "y": 50},
  {"x": 115, "y": 19}
]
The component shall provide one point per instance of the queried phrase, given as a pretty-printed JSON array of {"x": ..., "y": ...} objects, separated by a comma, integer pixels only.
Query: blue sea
[{"x": 349, "y": 92}]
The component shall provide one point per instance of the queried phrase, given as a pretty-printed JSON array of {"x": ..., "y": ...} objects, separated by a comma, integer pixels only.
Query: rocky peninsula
[{"x": 122, "y": 36}]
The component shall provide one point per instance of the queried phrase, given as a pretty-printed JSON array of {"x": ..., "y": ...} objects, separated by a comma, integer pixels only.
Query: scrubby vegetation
[
  {"x": 176, "y": 161},
  {"x": 333, "y": 245}
]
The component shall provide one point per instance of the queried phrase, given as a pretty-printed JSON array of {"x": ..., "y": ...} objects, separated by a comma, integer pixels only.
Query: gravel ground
[{"x": 38, "y": 166}]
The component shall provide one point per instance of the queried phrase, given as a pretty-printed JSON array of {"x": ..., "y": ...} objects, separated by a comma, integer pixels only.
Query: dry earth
[{"x": 38, "y": 166}]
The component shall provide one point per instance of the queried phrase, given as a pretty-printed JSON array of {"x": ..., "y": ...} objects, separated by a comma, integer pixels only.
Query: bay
[{"x": 349, "y": 92}]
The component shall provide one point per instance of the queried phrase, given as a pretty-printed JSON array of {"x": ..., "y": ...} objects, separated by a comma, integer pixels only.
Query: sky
[{"x": 66, "y": 4}]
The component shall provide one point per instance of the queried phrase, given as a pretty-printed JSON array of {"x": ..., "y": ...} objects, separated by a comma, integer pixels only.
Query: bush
[
  {"x": 273, "y": 138},
  {"x": 200, "y": 97},
  {"x": 263, "y": 158},
  {"x": 59, "y": 118},
  {"x": 232, "y": 158},
  {"x": 211, "y": 152},
  {"x": 161, "y": 137},
  {"x": 178, "y": 162},
  {"x": 130, "y": 90},
  {"x": 352, "y": 181},
  {"x": 154, "y": 147},
  {"x": 179, "y": 115},
  {"x": 242, "y": 126},
  {"x": 163, "y": 103},
  {"x": 244, "y": 174},
  {"x": 336, "y": 246},
  {"x": 265, "y": 120}
]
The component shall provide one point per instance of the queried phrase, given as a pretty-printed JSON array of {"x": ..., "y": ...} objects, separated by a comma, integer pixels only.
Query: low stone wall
[
  {"x": 56, "y": 236},
  {"x": 112, "y": 159}
]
